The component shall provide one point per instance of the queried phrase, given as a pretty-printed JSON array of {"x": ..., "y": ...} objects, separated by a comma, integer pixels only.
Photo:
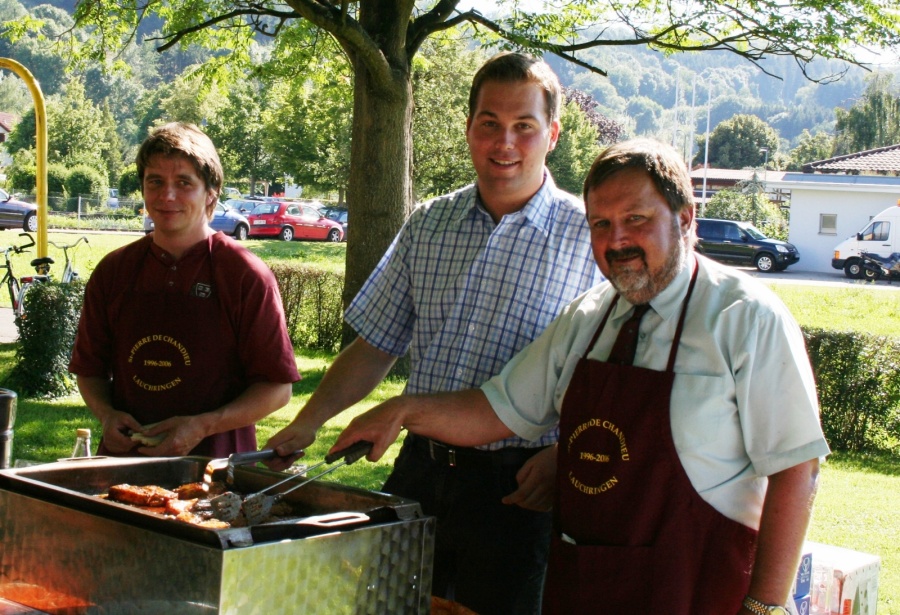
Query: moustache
[{"x": 612, "y": 255}]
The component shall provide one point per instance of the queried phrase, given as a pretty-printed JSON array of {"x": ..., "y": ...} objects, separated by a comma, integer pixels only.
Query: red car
[{"x": 291, "y": 221}]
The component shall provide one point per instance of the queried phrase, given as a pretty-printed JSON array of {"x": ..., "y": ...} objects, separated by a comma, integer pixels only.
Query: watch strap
[{"x": 760, "y": 608}]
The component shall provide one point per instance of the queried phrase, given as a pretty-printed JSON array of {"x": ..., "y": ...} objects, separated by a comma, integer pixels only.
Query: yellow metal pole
[{"x": 40, "y": 122}]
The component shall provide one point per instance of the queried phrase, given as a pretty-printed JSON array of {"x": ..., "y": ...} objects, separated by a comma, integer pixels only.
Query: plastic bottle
[{"x": 82, "y": 443}]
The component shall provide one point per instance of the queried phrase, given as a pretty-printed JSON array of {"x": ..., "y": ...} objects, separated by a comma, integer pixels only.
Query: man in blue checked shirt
[{"x": 471, "y": 279}]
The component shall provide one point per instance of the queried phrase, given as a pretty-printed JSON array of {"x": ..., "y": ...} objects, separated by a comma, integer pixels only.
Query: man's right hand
[
  {"x": 297, "y": 436},
  {"x": 117, "y": 429}
]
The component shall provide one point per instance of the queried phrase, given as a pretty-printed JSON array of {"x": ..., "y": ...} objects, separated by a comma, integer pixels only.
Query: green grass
[
  {"x": 858, "y": 500},
  {"x": 857, "y": 308}
]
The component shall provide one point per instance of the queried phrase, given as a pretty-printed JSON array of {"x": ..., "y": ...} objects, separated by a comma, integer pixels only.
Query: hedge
[
  {"x": 312, "y": 304},
  {"x": 46, "y": 336},
  {"x": 858, "y": 382}
]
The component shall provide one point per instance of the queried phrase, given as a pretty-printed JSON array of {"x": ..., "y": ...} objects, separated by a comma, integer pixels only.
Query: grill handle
[{"x": 352, "y": 453}]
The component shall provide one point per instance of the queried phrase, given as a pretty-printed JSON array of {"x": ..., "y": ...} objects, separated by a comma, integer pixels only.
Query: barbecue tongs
[{"x": 256, "y": 506}]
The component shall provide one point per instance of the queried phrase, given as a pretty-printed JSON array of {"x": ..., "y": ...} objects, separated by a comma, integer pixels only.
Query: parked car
[
  {"x": 242, "y": 205},
  {"x": 113, "y": 201},
  {"x": 740, "y": 243},
  {"x": 338, "y": 214},
  {"x": 17, "y": 214},
  {"x": 228, "y": 192},
  {"x": 291, "y": 221},
  {"x": 229, "y": 221}
]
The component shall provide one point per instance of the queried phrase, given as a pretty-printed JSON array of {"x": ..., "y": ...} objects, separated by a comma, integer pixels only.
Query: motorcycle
[{"x": 877, "y": 267}]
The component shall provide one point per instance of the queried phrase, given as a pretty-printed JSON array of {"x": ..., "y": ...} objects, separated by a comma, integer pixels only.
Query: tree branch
[
  {"x": 175, "y": 38},
  {"x": 526, "y": 42},
  {"x": 425, "y": 25}
]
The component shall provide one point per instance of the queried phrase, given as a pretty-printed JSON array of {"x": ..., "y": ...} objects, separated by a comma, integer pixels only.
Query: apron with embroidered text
[
  {"x": 177, "y": 355},
  {"x": 644, "y": 539}
]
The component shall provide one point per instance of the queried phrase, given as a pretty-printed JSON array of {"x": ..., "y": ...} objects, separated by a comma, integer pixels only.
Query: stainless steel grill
[{"x": 58, "y": 538}]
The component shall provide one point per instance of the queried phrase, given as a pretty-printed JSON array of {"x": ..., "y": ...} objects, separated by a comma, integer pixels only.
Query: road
[{"x": 817, "y": 278}]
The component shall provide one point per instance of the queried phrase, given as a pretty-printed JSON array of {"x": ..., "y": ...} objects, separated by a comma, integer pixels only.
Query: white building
[
  {"x": 7, "y": 123},
  {"x": 831, "y": 201}
]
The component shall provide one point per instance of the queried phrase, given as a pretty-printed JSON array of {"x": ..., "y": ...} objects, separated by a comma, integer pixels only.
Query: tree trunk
[{"x": 380, "y": 192}]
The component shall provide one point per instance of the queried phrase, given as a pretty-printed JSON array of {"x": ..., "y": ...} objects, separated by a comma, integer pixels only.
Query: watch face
[{"x": 777, "y": 610}]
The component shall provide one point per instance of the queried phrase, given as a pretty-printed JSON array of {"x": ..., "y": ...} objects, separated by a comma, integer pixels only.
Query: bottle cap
[{"x": 83, "y": 433}]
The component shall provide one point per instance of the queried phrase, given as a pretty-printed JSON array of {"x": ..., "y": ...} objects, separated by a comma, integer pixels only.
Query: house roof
[
  {"x": 8, "y": 121},
  {"x": 830, "y": 182},
  {"x": 732, "y": 176},
  {"x": 882, "y": 160}
]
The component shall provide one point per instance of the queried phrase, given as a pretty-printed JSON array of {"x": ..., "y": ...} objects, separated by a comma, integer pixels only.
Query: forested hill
[{"x": 642, "y": 87}]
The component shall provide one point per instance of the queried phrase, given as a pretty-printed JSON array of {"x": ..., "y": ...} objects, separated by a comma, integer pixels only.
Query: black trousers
[{"x": 489, "y": 556}]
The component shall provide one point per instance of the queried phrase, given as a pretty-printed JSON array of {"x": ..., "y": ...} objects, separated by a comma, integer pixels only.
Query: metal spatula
[
  {"x": 227, "y": 506},
  {"x": 257, "y": 506}
]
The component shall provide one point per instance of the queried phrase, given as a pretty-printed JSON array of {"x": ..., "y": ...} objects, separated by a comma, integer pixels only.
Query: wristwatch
[{"x": 755, "y": 606}]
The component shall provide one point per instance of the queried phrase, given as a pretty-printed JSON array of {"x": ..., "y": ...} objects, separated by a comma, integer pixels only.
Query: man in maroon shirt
[{"x": 182, "y": 344}]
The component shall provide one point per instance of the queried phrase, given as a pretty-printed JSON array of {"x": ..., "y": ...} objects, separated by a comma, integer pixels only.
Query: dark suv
[{"x": 740, "y": 243}]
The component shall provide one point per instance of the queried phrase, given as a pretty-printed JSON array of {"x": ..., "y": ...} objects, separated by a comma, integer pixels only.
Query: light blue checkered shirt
[{"x": 463, "y": 294}]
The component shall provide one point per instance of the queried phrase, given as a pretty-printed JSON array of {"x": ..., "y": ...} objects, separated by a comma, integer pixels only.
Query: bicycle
[
  {"x": 17, "y": 287},
  {"x": 69, "y": 274},
  {"x": 42, "y": 267}
]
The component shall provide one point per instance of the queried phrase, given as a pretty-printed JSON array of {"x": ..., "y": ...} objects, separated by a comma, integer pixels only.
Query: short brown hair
[
  {"x": 513, "y": 67},
  {"x": 661, "y": 162},
  {"x": 179, "y": 138}
]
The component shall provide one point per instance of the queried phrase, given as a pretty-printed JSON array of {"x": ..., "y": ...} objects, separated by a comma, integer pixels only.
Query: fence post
[{"x": 79, "y": 208}]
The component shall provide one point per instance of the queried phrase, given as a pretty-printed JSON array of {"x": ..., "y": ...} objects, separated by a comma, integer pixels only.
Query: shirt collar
[
  {"x": 197, "y": 250},
  {"x": 538, "y": 210}
]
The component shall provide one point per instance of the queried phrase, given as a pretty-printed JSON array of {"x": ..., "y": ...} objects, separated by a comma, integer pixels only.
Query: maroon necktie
[{"x": 626, "y": 342}]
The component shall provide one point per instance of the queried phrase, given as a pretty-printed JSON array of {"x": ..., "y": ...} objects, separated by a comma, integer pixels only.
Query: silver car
[{"x": 17, "y": 214}]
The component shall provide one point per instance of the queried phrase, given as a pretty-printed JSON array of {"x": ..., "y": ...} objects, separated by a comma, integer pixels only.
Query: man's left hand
[{"x": 537, "y": 482}]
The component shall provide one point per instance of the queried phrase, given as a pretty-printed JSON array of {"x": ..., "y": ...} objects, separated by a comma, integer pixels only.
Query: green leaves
[{"x": 46, "y": 336}]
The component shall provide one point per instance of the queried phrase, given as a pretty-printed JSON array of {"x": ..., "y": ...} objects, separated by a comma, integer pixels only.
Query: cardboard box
[{"x": 844, "y": 582}]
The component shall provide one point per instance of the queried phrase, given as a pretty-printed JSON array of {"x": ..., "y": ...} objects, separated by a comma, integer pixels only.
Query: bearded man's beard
[{"x": 641, "y": 285}]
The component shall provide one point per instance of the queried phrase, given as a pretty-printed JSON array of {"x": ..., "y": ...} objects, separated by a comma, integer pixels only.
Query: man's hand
[
  {"x": 381, "y": 425},
  {"x": 537, "y": 482},
  {"x": 297, "y": 436},
  {"x": 182, "y": 434},
  {"x": 117, "y": 428}
]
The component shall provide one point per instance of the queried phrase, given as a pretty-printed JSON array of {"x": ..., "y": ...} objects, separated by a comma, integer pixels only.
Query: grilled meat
[
  {"x": 189, "y": 503},
  {"x": 149, "y": 495},
  {"x": 193, "y": 491},
  {"x": 176, "y": 507}
]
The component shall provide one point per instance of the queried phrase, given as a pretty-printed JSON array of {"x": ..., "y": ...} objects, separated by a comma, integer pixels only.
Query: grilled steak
[{"x": 149, "y": 495}]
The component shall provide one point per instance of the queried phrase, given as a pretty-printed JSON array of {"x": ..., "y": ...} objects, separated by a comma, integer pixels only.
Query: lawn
[{"x": 857, "y": 502}]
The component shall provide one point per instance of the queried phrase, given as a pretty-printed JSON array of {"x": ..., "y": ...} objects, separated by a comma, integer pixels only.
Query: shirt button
[
  {"x": 472, "y": 328},
  {"x": 171, "y": 283}
]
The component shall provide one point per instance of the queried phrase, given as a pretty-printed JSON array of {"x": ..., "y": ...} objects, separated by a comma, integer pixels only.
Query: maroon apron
[
  {"x": 644, "y": 539},
  {"x": 177, "y": 355}
]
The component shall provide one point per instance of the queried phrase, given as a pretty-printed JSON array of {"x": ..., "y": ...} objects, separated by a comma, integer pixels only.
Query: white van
[{"x": 881, "y": 237}]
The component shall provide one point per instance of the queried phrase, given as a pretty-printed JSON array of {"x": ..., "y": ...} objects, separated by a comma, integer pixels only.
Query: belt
[{"x": 454, "y": 456}]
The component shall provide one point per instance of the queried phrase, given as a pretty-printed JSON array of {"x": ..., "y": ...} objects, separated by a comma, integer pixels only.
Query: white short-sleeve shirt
[{"x": 743, "y": 404}]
